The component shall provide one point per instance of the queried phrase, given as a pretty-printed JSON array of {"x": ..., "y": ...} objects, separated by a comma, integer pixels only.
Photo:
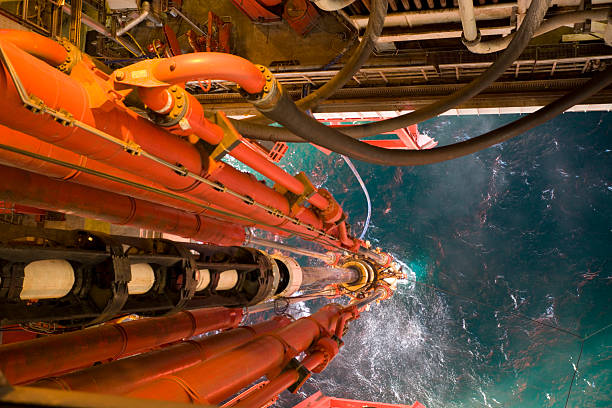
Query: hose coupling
[
  {"x": 271, "y": 93},
  {"x": 473, "y": 42}
]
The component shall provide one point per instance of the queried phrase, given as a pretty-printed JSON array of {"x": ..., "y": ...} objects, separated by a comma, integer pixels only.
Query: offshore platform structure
[{"x": 97, "y": 128}]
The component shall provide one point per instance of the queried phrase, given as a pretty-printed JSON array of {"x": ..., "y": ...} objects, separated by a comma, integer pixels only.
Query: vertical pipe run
[
  {"x": 279, "y": 384},
  {"x": 74, "y": 35},
  {"x": 62, "y": 92},
  {"x": 45, "y": 356},
  {"x": 327, "y": 258}
]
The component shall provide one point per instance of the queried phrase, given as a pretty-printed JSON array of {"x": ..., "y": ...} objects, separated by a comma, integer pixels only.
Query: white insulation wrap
[
  {"x": 143, "y": 279},
  {"x": 295, "y": 275},
  {"x": 203, "y": 278},
  {"x": 47, "y": 279},
  {"x": 227, "y": 280}
]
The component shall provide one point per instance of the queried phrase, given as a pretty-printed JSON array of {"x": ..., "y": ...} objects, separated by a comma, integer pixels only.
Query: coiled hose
[{"x": 532, "y": 21}]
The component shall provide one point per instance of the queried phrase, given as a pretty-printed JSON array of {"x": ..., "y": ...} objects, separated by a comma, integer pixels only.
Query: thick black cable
[
  {"x": 569, "y": 392},
  {"x": 376, "y": 22},
  {"x": 316, "y": 132},
  {"x": 532, "y": 21}
]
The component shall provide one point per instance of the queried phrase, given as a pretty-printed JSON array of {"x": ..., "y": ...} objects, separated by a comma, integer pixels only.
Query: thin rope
[
  {"x": 365, "y": 192},
  {"x": 569, "y": 392}
]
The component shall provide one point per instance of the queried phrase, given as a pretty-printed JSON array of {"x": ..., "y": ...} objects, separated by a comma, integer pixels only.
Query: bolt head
[
  {"x": 120, "y": 75},
  {"x": 172, "y": 66}
]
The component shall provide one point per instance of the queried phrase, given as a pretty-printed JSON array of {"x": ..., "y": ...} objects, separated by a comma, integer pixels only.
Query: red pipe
[
  {"x": 60, "y": 91},
  {"x": 122, "y": 376},
  {"x": 28, "y": 143},
  {"x": 42, "y": 192},
  {"x": 45, "y": 356},
  {"x": 216, "y": 379},
  {"x": 7, "y": 207},
  {"x": 161, "y": 101},
  {"x": 92, "y": 106},
  {"x": 279, "y": 384},
  {"x": 34, "y": 44}
]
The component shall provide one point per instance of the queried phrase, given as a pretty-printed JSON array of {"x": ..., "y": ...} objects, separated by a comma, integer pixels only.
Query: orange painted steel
[
  {"x": 42, "y": 192},
  {"x": 90, "y": 97},
  {"x": 28, "y": 143},
  {"x": 217, "y": 379},
  {"x": 318, "y": 400},
  {"x": 41, "y": 47},
  {"x": 45, "y": 356},
  {"x": 191, "y": 67},
  {"x": 279, "y": 384},
  {"x": 124, "y": 375},
  {"x": 210, "y": 65}
]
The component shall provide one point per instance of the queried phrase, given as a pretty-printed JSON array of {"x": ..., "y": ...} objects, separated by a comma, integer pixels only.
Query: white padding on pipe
[
  {"x": 203, "y": 278},
  {"x": 295, "y": 275},
  {"x": 143, "y": 279},
  {"x": 47, "y": 279},
  {"x": 227, "y": 280}
]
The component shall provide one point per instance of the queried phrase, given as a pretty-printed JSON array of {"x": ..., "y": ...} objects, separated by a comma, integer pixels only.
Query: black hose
[
  {"x": 532, "y": 21},
  {"x": 315, "y": 132},
  {"x": 376, "y": 22}
]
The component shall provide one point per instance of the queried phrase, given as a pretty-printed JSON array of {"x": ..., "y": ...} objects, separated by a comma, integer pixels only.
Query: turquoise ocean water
[{"x": 518, "y": 239}]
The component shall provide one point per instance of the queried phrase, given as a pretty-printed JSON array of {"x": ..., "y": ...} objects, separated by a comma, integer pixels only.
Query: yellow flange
[{"x": 366, "y": 275}]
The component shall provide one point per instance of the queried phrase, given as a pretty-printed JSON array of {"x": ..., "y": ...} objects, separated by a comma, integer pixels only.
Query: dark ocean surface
[{"x": 518, "y": 237}]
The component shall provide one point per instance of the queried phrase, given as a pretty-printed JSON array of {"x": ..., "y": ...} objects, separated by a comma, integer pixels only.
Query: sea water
[{"x": 510, "y": 274}]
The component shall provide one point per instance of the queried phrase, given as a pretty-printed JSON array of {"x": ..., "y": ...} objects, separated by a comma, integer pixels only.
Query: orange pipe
[
  {"x": 92, "y": 106},
  {"x": 33, "y": 359},
  {"x": 28, "y": 143},
  {"x": 210, "y": 65},
  {"x": 122, "y": 376},
  {"x": 63, "y": 92},
  {"x": 42, "y": 192},
  {"x": 216, "y": 379},
  {"x": 60, "y": 91},
  {"x": 161, "y": 101},
  {"x": 34, "y": 44}
]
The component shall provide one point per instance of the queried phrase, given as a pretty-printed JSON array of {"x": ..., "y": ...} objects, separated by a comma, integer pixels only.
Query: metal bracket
[
  {"x": 231, "y": 137},
  {"x": 296, "y": 201},
  {"x": 122, "y": 276},
  {"x": 303, "y": 374}
]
